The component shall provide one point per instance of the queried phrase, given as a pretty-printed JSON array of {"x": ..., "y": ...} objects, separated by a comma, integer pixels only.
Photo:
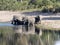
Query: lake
[{"x": 26, "y": 35}]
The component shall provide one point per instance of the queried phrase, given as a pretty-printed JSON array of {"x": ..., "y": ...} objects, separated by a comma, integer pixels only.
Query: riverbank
[
  {"x": 6, "y": 16},
  {"x": 49, "y": 25},
  {"x": 48, "y": 20}
]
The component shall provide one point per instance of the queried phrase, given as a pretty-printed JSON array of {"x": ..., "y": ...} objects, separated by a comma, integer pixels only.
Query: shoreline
[{"x": 6, "y": 16}]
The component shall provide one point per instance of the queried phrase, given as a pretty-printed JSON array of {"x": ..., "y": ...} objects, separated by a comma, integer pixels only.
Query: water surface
[{"x": 14, "y": 35}]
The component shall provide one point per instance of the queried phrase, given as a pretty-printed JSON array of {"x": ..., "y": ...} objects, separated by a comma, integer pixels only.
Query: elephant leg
[{"x": 11, "y": 22}]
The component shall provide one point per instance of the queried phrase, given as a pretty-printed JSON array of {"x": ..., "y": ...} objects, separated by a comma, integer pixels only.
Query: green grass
[{"x": 31, "y": 10}]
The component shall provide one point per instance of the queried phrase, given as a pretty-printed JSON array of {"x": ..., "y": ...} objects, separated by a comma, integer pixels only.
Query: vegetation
[{"x": 44, "y": 5}]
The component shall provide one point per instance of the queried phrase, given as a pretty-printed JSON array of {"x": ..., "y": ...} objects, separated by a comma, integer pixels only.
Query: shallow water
[
  {"x": 5, "y": 24},
  {"x": 24, "y": 35}
]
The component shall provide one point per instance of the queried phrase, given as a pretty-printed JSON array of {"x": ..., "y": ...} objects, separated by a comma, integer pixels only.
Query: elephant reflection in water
[
  {"x": 17, "y": 29},
  {"x": 24, "y": 29}
]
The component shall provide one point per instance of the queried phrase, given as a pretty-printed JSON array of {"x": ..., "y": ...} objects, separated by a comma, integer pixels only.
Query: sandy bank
[{"x": 8, "y": 15}]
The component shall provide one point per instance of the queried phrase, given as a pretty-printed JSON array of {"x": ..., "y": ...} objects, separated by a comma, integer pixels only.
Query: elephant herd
[{"x": 25, "y": 21}]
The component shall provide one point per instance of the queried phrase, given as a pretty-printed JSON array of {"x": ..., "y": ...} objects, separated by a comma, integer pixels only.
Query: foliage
[{"x": 29, "y": 4}]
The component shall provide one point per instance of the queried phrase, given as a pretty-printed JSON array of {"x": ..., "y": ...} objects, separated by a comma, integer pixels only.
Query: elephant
[
  {"x": 37, "y": 19},
  {"x": 28, "y": 21},
  {"x": 25, "y": 21},
  {"x": 16, "y": 21}
]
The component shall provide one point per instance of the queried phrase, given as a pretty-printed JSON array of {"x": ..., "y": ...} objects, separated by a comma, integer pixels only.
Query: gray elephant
[
  {"x": 27, "y": 21},
  {"x": 24, "y": 21},
  {"x": 16, "y": 21}
]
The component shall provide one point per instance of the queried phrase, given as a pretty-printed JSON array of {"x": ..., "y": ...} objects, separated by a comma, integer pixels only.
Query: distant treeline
[{"x": 44, "y": 5}]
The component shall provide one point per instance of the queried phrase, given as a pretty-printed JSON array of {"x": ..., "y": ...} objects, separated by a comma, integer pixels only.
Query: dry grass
[{"x": 49, "y": 25}]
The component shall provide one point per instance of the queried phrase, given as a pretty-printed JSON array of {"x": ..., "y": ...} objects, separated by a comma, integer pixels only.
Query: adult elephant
[
  {"x": 16, "y": 21},
  {"x": 28, "y": 21},
  {"x": 37, "y": 19}
]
